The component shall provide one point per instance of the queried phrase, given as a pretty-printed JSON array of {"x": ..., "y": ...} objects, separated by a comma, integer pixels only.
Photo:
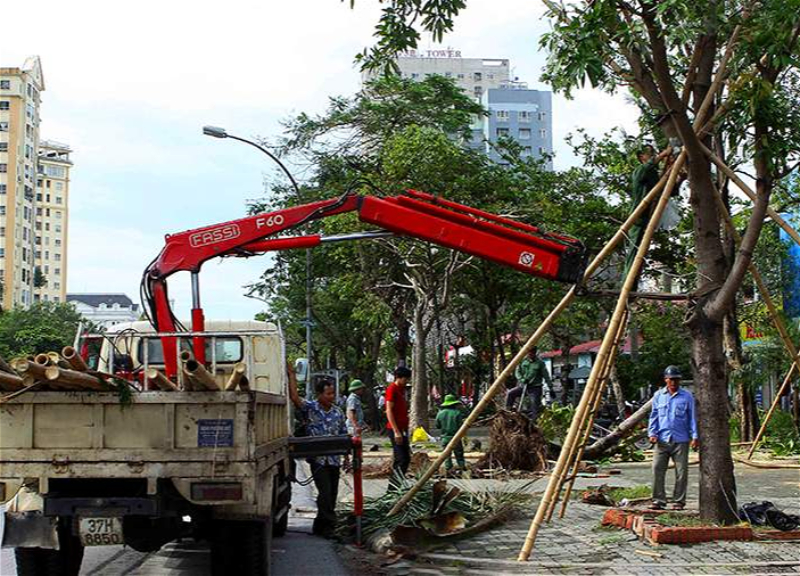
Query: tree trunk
[
  {"x": 717, "y": 482},
  {"x": 419, "y": 388},
  {"x": 796, "y": 405},
  {"x": 402, "y": 343},
  {"x": 606, "y": 443},
  {"x": 616, "y": 388}
]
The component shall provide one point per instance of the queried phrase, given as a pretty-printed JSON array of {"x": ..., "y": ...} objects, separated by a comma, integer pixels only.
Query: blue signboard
[
  {"x": 215, "y": 433},
  {"x": 791, "y": 269}
]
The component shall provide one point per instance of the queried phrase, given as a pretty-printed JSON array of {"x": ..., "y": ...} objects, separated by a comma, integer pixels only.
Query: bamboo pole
[
  {"x": 74, "y": 359},
  {"x": 162, "y": 382},
  {"x": 71, "y": 378},
  {"x": 485, "y": 401},
  {"x": 199, "y": 376},
  {"x": 774, "y": 406},
  {"x": 751, "y": 194},
  {"x": 28, "y": 368},
  {"x": 10, "y": 382},
  {"x": 236, "y": 376},
  {"x": 605, "y": 348},
  {"x": 42, "y": 359}
]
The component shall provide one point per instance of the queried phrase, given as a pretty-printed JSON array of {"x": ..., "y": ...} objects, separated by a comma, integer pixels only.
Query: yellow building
[
  {"x": 51, "y": 220},
  {"x": 20, "y": 90}
]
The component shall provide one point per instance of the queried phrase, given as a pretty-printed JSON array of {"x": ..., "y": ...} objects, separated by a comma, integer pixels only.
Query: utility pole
[{"x": 309, "y": 391}]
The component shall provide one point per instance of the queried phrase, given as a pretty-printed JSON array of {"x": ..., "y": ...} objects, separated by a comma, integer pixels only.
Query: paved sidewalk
[{"x": 578, "y": 545}]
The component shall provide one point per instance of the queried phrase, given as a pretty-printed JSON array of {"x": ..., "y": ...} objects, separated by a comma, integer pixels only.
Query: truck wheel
[
  {"x": 45, "y": 562},
  {"x": 243, "y": 548}
]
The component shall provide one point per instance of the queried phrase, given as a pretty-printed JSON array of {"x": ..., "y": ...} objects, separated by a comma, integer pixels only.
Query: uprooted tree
[{"x": 665, "y": 54}]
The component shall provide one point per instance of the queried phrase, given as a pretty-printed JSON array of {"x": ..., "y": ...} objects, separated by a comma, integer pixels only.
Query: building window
[
  {"x": 58, "y": 243},
  {"x": 502, "y": 115},
  {"x": 541, "y": 116},
  {"x": 38, "y": 211},
  {"x": 478, "y": 91},
  {"x": 59, "y": 186},
  {"x": 39, "y": 194},
  {"x": 3, "y": 168},
  {"x": 57, "y": 285},
  {"x": 541, "y": 150},
  {"x": 526, "y": 151},
  {"x": 5, "y": 84},
  {"x": 3, "y": 146},
  {"x": 2, "y": 210},
  {"x": 2, "y": 230},
  {"x": 501, "y": 132},
  {"x": 57, "y": 271},
  {"x": 3, "y": 126},
  {"x": 460, "y": 76},
  {"x": 59, "y": 200},
  {"x": 5, "y": 104},
  {"x": 38, "y": 254},
  {"x": 414, "y": 75},
  {"x": 524, "y": 116},
  {"x": 2, "y": 252},
  {"x": 543, "y": 133},
  {"x": 477, "y": 76},
  {"x": 490, "y": 76},
  {"x": 56, "y": 299},
  {"x": 3, "y": 188},
  {"x": 448, "y": 74},
  {"x": 58, "y": 214},
  {"x": 524, "y": 133},
  {"x": 57, "y": 257},
  {"x": 58, "y": 228},
  {"x": 47, "y": 226}
]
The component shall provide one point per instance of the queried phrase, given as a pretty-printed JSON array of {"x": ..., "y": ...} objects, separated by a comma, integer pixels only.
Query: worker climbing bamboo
[{"x": 643, "y": 179}]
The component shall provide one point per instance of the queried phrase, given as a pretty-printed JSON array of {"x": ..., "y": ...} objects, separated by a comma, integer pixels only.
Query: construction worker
[
  {"x": 673, "y": 429},
  {"x": 643, "y": 179},
  {"x": 354, "y": 408},
  {"x": 449, "y": 420},
  {"x": 531, "y": 375},
  {"x": 323, "y": 418},
  {"x": 397, "y": 422}
]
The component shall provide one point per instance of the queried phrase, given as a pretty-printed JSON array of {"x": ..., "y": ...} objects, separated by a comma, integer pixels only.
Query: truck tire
[
  {"x": 243, "y": 548},
  {"x": 45, "y": 562}
]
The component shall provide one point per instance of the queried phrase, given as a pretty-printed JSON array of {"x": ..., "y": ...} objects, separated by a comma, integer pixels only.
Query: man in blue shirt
[
  {"x": 672, "y": 428},
  {"x": 322, "y": 418}
]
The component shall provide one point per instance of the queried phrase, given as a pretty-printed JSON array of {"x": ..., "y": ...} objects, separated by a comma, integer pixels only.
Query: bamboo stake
[
  {"x": 199, "y": 376},
  {"x": 236, "y": 376},
  {"x": 42, "y": 359},
  {"x": 162, "y": 382},
  {"x": 605, "y": 348},
  {"x": 485, "y": 401},
  {"x": 777, "y": 218},
  {"x": 74, "y": 359},
  {"x": 71, "y": 378},
  {"x": 28, "y": 368},
  {"x": 791, "y": 349},
  {"x": 10, "y": 382}
]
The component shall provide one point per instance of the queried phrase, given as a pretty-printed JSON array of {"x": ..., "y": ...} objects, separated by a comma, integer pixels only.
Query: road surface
[{"x": 296, "y": 554}]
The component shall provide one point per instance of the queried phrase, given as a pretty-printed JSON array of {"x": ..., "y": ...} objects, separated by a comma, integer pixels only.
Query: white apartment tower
[
  {"x": 52, "y": 218},
  {"x": 20, "y": 97}
]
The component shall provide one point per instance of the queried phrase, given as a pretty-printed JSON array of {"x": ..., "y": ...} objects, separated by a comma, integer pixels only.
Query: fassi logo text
[{"x": 214, "y": 236}]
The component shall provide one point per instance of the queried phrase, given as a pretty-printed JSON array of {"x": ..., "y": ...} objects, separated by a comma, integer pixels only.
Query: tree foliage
[{"x": 44, "y": 327}]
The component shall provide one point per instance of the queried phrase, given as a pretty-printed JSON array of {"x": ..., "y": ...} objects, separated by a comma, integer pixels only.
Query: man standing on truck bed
[
  {"x": 322, "y": 418},
  {"x": 397, "y": 418}
]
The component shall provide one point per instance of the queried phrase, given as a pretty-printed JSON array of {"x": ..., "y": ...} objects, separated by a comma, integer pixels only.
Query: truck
[
  {"x": 157, "y": 458},
  {"x": 89, "y": 468}
]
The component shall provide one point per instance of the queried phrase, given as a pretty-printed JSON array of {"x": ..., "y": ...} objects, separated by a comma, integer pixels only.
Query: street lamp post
[{"x": 217, "y": 132}]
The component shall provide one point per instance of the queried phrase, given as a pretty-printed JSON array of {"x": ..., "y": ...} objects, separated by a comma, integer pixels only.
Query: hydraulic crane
[{"x": 412, "y": 214}]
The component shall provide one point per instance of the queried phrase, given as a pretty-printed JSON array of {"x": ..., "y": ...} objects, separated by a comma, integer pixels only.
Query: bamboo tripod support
[
  {"x": 587, "y": 431},
  {"x": 491, "y": 392},
  {"x": 780, "y": 326},
  {"x": 605, "y": 349}
]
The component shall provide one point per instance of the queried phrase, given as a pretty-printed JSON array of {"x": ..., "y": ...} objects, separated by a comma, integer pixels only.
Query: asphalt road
[{"x": 296, "y": 554}]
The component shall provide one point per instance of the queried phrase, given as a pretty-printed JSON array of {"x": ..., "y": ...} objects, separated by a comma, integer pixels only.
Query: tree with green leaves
[
  {"x": 666, "y": 54},
  {"x": 44, "y": 327}
]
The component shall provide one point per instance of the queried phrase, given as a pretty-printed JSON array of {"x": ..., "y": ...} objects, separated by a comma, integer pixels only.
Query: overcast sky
[{"x": 129, "y": 87}]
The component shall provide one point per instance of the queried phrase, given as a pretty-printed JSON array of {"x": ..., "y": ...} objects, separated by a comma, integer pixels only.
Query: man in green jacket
[
  {"x": 449, "y": 420},
  {"x": 531, "y": 375}
]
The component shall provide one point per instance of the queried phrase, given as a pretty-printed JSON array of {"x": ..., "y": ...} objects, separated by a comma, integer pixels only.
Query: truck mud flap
[{"x": 28, "y": 530}]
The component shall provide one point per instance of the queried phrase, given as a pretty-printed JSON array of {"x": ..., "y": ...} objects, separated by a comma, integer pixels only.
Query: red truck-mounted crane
[{"x": 412, "y": 214}]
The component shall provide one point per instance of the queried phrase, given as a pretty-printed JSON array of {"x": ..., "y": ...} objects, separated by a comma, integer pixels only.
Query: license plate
[{"x": 100, "y": 531}]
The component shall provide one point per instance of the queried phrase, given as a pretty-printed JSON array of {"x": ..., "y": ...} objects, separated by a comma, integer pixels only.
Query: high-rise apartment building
[
  {"x": 51, "y": 219},
  {"x": 20, "y": 97},
  {"x": 515, "y": 112}
]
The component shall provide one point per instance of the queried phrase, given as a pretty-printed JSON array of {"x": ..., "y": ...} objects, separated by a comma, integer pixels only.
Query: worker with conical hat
[
  {"x": 449, "y": 420},
  {"x": 355, "y": 409}
]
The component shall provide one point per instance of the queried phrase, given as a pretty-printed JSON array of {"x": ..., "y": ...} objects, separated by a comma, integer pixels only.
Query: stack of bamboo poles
[
  {"x": 197, "y": 378},
  {"x": 53, "y": 371}
]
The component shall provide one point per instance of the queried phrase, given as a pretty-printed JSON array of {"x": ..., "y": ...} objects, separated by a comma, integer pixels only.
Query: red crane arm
[{"x": 413, "y": 214}]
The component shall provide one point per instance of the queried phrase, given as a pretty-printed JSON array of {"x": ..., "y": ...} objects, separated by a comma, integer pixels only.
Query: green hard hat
[
  {"x": 355, "y": 385},
  {"x": 450, "y": 400}
]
